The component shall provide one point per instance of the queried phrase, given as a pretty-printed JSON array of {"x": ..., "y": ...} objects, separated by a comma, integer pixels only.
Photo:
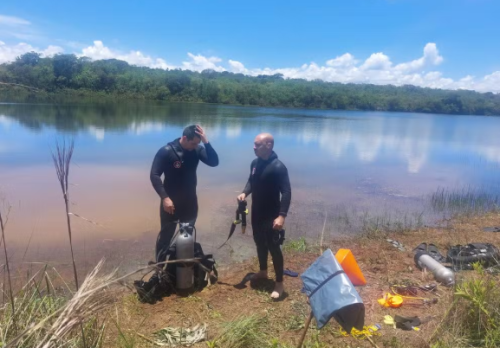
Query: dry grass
[
  {"x": 3, "y": 226},
  {"x": 381, "y": 263},
  {"x": 47, "y": 319},
  {"x": 62, "y": 160}
]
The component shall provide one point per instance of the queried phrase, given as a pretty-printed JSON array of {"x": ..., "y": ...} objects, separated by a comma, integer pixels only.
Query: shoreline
[
  {"x": 74, "y": 97},
  {"x": 280, "y": 324}
]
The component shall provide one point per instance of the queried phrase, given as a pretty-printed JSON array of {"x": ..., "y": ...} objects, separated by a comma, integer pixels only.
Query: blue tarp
[{"x": 331, "y": 294}]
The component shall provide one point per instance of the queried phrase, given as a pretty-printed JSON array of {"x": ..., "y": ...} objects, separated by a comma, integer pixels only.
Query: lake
[{"x": 353, "y": 167}]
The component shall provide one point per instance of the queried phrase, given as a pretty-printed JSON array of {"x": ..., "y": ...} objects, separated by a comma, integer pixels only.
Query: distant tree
[
  {"x": 30, "y": 58},
  {"x": 66, "y": 72}
]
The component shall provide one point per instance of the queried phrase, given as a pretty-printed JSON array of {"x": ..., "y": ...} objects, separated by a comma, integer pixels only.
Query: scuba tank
[
  {"x": 185, "y": 250},
  {"x": 441, "y": 274}
]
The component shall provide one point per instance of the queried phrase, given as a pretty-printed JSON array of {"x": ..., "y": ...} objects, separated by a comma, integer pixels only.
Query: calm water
[{"x": 346, "y": 164}]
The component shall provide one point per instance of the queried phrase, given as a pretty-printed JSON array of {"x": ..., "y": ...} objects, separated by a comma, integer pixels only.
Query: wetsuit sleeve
[
  {"x": 159, "y": 163},
  {"x": 285, "y": 189},
  {"x": 208, "y": 155},
  {"x": 248, "y": 187}
]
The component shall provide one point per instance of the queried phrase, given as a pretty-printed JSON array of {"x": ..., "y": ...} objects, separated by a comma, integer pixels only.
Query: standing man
[
  {"x": 178, "y": 161},
  {"x": 268, "y": 178}
]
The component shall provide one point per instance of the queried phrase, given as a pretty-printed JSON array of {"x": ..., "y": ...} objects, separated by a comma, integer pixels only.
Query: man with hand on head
[
  {"x": 268, "y": 179},
  {"x": 178, "y": 161}
]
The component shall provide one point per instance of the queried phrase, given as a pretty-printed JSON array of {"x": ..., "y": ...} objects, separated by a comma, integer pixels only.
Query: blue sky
[{"x": 274, "y": 36}]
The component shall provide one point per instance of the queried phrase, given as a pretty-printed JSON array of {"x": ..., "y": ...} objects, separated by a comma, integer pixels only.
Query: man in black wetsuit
[
  {"x": 178, "y": 161},
  {"x": 268, "y": 178}
]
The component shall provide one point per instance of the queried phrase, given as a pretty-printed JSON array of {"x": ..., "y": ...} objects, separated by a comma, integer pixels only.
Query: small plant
[
  {"x": 125, "y": 340},
  {"x": 215, "y": 314},
  {"x": 211, "y": 344},
  {"x": 275, "y": 343},
  {"x": 295, "y": 322},
  {"x": 244, "y": 332},
  {"x": 315, "y": 342},
  {"x": 299, "y": 245},
  {"x": 474, "y": 315}
]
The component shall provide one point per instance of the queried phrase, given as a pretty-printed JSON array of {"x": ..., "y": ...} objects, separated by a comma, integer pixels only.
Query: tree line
[{"x": 67, "y": 74}]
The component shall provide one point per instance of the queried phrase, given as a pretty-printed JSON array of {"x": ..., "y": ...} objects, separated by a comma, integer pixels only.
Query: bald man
[{"x": 268, "y": 179}]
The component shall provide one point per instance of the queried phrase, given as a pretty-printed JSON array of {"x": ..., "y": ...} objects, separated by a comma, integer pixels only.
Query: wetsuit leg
[
  {"x": 183, "y": 213},
  {"x": 168, "y": 226},
  {"x": 259, "y": 237},
  {"x": 263, "y": 235},
  {"x": 188, "y": 211}
]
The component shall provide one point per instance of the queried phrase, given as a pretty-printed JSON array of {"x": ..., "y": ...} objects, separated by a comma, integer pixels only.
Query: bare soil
[{"x": 381, "y": 263}]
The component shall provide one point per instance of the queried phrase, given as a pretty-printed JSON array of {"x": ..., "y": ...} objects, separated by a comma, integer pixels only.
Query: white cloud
[
  {"x": 377, "y": 61},
  {"x": 8, "y": 53},
  {"x": 237, "y": 67},
  {"x": 431, "y": 57},
  {"x": 13, "y": 21},
  {"x": 16, "y": 27},
  {"x": 489, "y": 83},
  {"x": 99, "y": 51},
  {"x": 200, "y": 63},
  {"x": 344, "y": 61},
  {"x": 52, "y": 51},
  {"x": 379, "y": 69},
  {"x": 376, "y": 69},
  {"x": 196, "y": 62}
]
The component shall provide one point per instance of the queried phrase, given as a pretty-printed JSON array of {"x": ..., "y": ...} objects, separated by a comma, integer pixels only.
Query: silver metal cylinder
[
  {"x": 442, "y": 274},
  {"x": 184, "y": 249}
]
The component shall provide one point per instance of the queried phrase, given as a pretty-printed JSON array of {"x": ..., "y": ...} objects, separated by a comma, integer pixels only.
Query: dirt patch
[{"x": 381, "y": 263}]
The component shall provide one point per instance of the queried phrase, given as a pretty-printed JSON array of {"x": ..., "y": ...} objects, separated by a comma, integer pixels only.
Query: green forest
[{"x": 69, "y": 76}]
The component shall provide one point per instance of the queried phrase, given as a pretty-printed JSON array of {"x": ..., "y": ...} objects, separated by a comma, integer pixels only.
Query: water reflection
[
  {"x": 366, "y": 159},
  {"x": 369, "y": 137}
]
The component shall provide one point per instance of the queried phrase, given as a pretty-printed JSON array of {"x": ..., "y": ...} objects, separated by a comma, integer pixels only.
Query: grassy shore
[{"x": 106, "y": 313}]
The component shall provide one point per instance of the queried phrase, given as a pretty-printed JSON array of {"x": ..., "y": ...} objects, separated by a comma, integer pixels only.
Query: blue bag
[{"x": 331, "y": 294}]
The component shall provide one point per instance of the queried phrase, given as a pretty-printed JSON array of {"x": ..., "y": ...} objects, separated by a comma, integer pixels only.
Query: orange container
[{"x": 350, "y": 266}]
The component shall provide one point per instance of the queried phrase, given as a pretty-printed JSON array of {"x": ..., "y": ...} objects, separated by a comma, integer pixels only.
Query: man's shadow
[{"x": 262, "y": 284}]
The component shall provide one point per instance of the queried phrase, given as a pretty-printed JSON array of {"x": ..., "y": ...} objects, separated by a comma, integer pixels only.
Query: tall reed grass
[
  {"x": 466, "y": 200},
  {"x": 62, "y": 160}
]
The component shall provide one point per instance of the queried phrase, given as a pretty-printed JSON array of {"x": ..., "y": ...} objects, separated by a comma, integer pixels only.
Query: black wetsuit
[
  {"x": 179, "y": 168},
  {"x": 268, "y": 179}
]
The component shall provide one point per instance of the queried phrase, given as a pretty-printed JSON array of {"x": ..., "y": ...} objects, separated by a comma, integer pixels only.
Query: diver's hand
[
  {"x": 278, "y": 223},
  {"x": 202, "y": 134},
  {"x": 168, "y": 205},
  {"x": 241, "y": 197}
]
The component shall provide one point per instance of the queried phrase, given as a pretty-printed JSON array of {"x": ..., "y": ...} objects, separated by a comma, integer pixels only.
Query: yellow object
[
  {"x": 367, "y": 331},
  {"x": 394, "y": 301},
  {"x": 350, "y": 267},
  {"x": 389, "y": 321}
]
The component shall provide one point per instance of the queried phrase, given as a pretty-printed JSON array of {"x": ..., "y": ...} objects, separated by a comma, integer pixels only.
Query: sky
[{"x": 451, "y": 44}]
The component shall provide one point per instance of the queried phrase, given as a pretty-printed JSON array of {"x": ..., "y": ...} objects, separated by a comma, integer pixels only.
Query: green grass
[
  {"x": 44, "y": 317},
  {"x": 35, "y": 303},
  {"x": 374, "y": 226},
  {"x": 244, "y": 332},
  {"x": 467, "y": 200},
  {"x": 473, "y": 319},
  {"x": 298, "y": 245}
]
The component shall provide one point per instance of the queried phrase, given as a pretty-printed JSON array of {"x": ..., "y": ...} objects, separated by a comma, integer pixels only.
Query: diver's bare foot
[
  {"x": 278, "y": 290},
  {"x": 260, "y": 275}
]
